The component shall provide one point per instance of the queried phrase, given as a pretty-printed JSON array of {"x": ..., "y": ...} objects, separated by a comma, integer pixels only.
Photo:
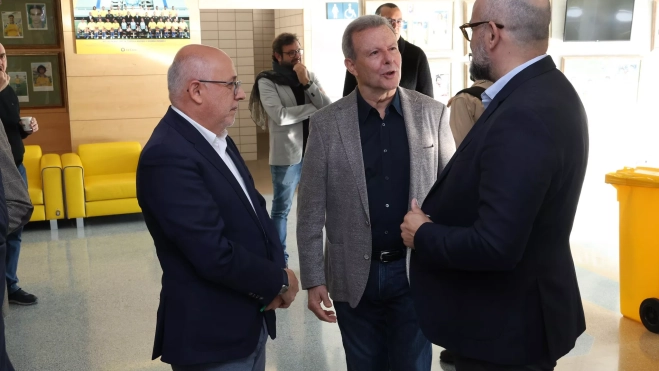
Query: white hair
[
  {"x": 365, "y": 22},
  {"x": 528, "y": 23},
  {"x": 181, "y": 72}
]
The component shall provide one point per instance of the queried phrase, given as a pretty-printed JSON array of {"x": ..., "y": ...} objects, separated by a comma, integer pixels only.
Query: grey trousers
[{"x": 253, "y": 362}]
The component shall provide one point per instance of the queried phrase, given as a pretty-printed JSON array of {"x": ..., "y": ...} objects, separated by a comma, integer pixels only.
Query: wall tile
[
  {"x": 227, "y": 44},
  {"x": 208, "y": 35},
  {"x": 242, "y": 17},
  {"x": 209, "y": 26},
  {"x": 209, "y": 17},
  {"x": 226, "y": 17},
  {"x": 227, "y": 35},
  {"x": 245, "y": 26},
  {"x": 245, "y": 35},
  {"x": 226, "y": 26}
]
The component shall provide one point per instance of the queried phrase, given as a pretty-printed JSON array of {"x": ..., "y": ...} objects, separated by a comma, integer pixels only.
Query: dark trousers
[
  {"x": 382, "y": 333},
  {"x": 468, "y": 364}
]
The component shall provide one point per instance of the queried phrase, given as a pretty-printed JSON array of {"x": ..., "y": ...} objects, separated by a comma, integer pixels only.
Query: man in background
[
  {"x": 415, "y": 72},
  {"x": 467, "y": 106}
]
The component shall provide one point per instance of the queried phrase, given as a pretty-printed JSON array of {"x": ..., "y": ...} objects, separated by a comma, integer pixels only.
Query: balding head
[
  {"x": 201, "y": 84},
  {"x": 525, "y": 35},
  {"x": 3, "y": 58}
]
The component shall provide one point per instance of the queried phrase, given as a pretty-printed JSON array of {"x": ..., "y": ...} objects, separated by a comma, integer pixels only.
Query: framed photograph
[
  {"x": 35, "y": 21},
  {"x": 655, "y": 25},
  {"x": 38, "y": 77},
  {"x": 596, "y": 78},
  {"x": 426, "y": 24},
  {"x": 12, "y": 25},
  {"x": 440, "y": 71},
  {"x": 36, "y": 16},
  {"x": 42, "y": 76},
  {"x": 468, "y": 8},
  {"x": 18, "y": 81}
]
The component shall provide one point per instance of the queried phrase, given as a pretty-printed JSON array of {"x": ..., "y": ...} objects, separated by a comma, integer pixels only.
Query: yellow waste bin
[{"x": 638, "y": 195}]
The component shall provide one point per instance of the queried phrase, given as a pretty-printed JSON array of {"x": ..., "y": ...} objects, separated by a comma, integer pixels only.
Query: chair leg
[
  {"x": 80, "y": 224},
  {"x": 53, "y": 225}
]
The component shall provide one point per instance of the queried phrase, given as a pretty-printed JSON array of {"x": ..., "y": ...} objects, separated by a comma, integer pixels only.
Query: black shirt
[
  {"x": 10, "y": 114},
  {"x": 298, "y": 91},
  {"x": 386, "y": 156}
]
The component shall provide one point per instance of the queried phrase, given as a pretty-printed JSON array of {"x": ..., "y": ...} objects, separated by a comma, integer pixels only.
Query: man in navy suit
[
  {"x": 491, "y": 273},
  {"x": 222, "y": 262}
]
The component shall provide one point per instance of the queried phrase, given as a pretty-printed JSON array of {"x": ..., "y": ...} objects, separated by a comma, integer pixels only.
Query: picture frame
[
  {"x": 39, "y": 24},
  {"x": 594, "y": 77},
  {"x": 655, "y": 26},
  {"x": 427, "y": 24},
  {"x": 467, "y": 9},
  {"x": 39, "y": 78},
  {"x": 440, "y": 71}
]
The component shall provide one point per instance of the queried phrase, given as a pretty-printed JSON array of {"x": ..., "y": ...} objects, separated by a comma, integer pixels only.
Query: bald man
[
  {"x": 492, "y": 275},
  {"x": 223, "y": 265}
]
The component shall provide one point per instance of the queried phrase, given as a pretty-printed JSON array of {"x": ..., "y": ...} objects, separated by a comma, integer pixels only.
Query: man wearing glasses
[
  {"x": 415, "y": 72},
  {"x": 492, "y": 274},
  {"x": 285, "y": 98},
  {"x": 223, "y": 270}
]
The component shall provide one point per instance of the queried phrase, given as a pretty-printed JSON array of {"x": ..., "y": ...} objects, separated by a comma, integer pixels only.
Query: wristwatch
[
  {"x": 308, "y": 85},
  {"x": 284, "y": 287}
]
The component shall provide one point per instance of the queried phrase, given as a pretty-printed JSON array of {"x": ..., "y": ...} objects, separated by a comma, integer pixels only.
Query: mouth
[{"x": 390, "y": 74}]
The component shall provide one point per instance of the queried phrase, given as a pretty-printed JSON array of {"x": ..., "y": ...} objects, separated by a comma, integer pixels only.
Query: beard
[{"x": 481, "y": 65}]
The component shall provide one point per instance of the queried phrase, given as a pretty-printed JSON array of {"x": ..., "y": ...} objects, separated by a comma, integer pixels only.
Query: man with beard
[
  {"x": 492, "y": 275},
  {"x": 285, "y": 98},
  {"x": 467, "y": 106},
  {"x": 415, "y": 71}
]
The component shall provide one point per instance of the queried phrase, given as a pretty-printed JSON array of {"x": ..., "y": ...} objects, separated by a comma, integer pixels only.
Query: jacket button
[
  {"x": 368, "y": 223},
  {"x": 366, "y": 256}
]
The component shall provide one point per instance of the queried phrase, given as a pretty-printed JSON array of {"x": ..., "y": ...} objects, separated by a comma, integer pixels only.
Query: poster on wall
[
  {"x": 342, "y": 10},
  {"x": 18, "y": 82},
  {"x": 36, "y": 16},
  {"x": 596, "y": 78},
  {"x": 440, "y": 71},
  {"x": 42, "y": 76},
  {"x": 136, "y": 27},
  {"x": 12, "y": 25},
  {"x": 426, "y": 24}
]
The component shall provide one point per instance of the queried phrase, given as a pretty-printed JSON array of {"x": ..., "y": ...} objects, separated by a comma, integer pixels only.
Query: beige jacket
[{"x": 465, "y": 111}]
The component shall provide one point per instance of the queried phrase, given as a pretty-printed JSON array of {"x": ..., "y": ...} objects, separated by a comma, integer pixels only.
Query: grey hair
[
  {"x": 365, "y": 22},
  {"x": 179, "y": 74},
  {"x": 527, "y": 23}
]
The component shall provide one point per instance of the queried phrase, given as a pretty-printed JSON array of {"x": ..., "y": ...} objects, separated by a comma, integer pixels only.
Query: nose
[{"x": 240, "y": 94}]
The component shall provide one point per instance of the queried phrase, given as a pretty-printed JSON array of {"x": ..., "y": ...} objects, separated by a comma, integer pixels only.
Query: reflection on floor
[{"x": 98, "y": 293}]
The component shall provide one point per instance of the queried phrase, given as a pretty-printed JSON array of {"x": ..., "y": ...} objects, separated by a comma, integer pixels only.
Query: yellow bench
[
  {"x": 44, "y": 185},
  {"x": 100, "y": 180}
]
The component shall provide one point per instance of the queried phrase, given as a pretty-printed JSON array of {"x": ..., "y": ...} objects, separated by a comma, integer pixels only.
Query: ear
[
  {"x": 194, "y": 91},
  {"x": 278, "y": 57},
  {"x": 350, "y": 66},
  {"x": 494, "y": 37}
]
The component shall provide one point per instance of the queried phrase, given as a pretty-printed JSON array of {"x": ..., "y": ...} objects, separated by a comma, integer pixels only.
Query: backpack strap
[{"x": 474, "y": 91}]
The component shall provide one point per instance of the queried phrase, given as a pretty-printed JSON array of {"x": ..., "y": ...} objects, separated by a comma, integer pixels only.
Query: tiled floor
[{"x": 98, "y": 294}]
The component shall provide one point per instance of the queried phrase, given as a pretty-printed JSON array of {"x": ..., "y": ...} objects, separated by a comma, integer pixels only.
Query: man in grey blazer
[
  {"x": 285, "y": 98},
  {"x": 369, "y": 155}
]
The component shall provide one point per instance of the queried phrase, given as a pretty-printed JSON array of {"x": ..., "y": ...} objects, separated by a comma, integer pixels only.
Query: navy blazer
[
  {"x": 493, "y": 277},
  {"x": 221, "y": 261}
]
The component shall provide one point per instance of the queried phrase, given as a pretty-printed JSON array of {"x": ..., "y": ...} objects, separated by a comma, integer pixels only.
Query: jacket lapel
[
  {"x": 202, "y": 146},
  {"x": 542, "y": 66},
  {"x": 347, "y": 119}
]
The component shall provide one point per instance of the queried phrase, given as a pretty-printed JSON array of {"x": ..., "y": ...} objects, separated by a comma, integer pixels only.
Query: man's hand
[
  {"x": 413, "y": 220},
  {"x": 302, "y": 73},
  {"x": 317, "y": 295},
  {"x": 34, "y": 125},
  {"x": 4, "y": 80},
  {"x": 276, "y": 303},
  {"x": 293, "y": 288}
]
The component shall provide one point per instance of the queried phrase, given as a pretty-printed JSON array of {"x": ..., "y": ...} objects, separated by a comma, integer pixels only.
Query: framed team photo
[
  {"x": 36, "y": 17},
  {"x": 12, "y": 25}
]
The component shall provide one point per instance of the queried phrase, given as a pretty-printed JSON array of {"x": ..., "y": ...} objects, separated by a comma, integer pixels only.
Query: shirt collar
[
  {"x": 491, "y": 92},
  {"x": 364, "y": 109},
  {"x": 207, "y": 134}
]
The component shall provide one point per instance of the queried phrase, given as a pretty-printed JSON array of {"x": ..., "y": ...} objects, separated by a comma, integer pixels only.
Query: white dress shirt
[
  {"x": 489, "y": 94},
  {"x": 219, "y": 144}
]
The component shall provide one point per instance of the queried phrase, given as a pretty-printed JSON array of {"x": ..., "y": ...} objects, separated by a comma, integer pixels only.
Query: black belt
[{"x": 388, "y": 256}]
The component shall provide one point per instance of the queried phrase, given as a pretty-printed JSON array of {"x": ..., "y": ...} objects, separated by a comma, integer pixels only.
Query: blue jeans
[
  {"x": 382, "y": 333},
  {"x": 14, "y": 249},
  {"x": 284, "y": 182}
]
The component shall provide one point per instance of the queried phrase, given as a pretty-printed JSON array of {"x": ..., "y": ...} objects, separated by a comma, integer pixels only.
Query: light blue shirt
[{"x": 489, "y": 94}]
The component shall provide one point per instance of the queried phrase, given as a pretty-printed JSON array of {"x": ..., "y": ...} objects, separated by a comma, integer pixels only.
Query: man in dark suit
[
  {"x": 415, "y": 71},
  {"x": 223, "y": 265},
  {"x": 492, "y": 275}
]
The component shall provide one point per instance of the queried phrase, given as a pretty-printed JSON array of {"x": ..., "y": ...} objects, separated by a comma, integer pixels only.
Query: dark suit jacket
[
  {"x": 415, "y": 71},
  {"x": 221, "y": 261},
  {"x": 493, "y": 277}
]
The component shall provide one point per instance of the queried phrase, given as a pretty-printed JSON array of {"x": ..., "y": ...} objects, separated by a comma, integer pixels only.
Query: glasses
[
  {"x": 395, "y": 22},
  {"x": 293, "y": 53},
  {"x": 467, "y": 28},
  {"x": 236, "y": 84}
]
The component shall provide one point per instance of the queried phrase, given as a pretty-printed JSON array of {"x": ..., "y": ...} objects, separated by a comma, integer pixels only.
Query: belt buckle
[{"x": 384, "y": 255}]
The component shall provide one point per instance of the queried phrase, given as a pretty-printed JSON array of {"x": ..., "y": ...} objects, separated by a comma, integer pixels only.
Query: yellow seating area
[
  {"x": 44, "y": 185},
  {"x": 98, "y": 180}
]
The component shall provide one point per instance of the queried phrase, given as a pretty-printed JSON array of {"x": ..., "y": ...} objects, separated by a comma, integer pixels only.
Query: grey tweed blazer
[
  {"x": 19, "y": 206},
  {"x": 332, "y": 192}
]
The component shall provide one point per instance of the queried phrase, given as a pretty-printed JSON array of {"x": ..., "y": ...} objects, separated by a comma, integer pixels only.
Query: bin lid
[{"x": 635, "y": 177}]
